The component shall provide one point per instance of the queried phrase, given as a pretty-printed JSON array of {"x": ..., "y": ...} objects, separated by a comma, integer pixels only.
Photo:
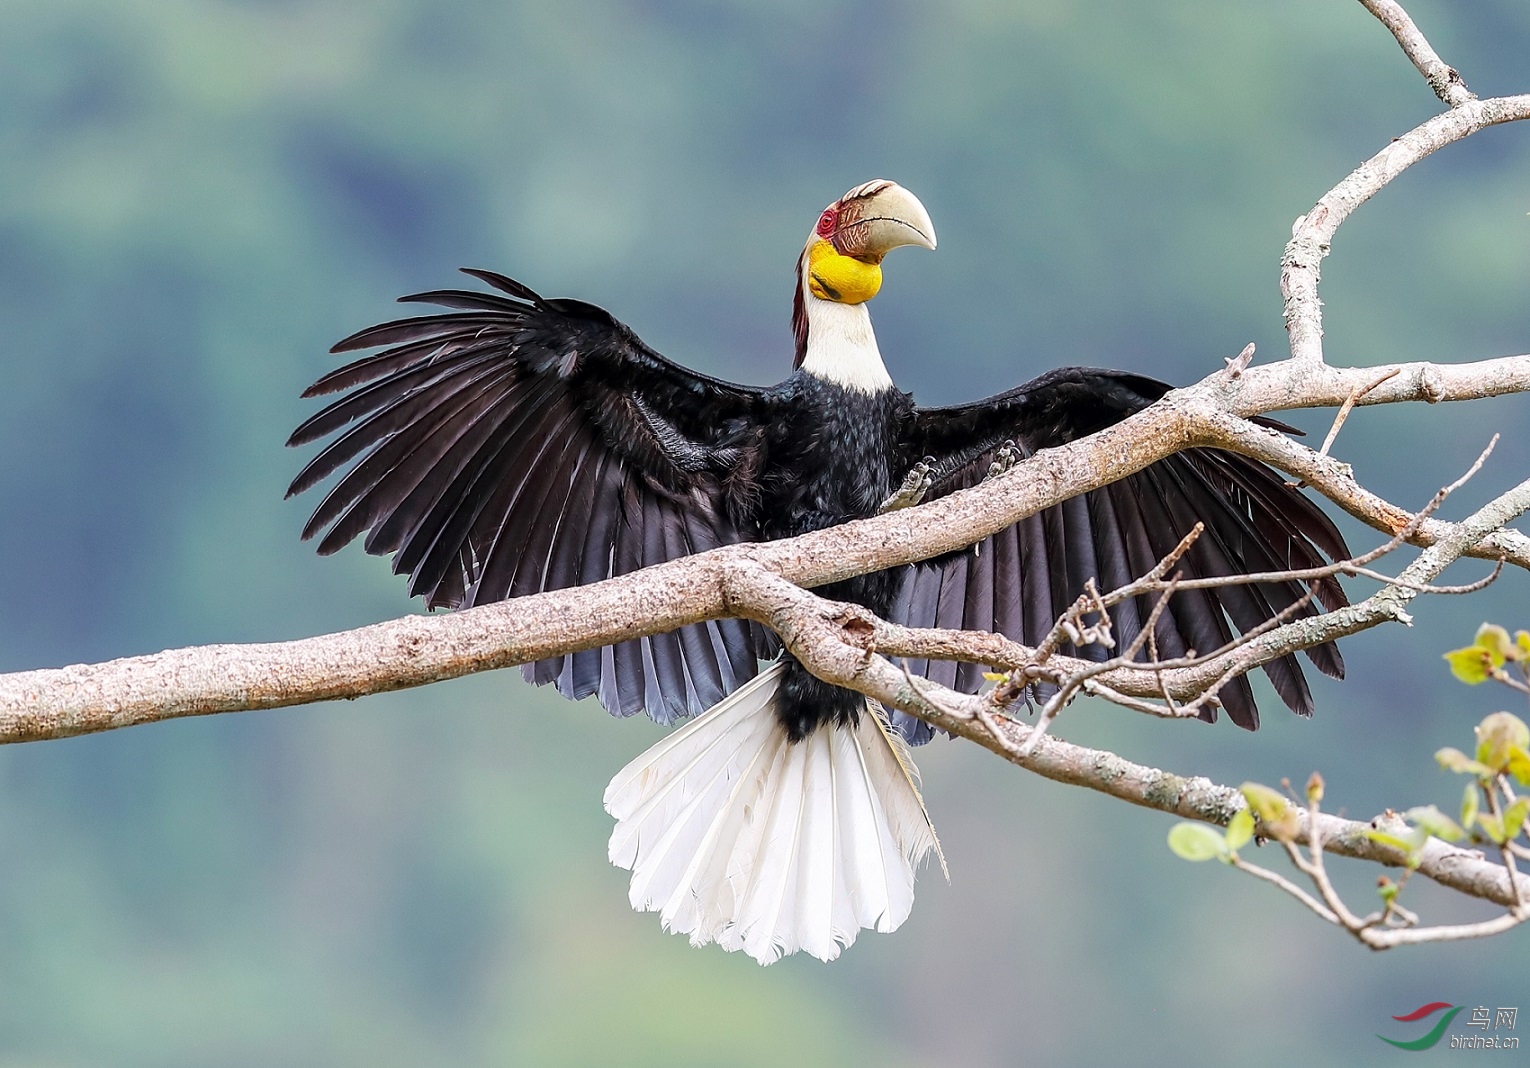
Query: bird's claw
[
  {"x": 915, "y": 485},
  {"x": 1007, "y": 456}
]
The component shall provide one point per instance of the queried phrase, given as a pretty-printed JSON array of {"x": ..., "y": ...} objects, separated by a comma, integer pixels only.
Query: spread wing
[
  {"x": 514, "y": 445},
  {"x": 1020, "y": 580}
]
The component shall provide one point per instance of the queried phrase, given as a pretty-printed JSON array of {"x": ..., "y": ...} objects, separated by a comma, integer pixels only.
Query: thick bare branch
[
  {"x": 1274, "y": 387},
  {"x": 416, "y": 650}
]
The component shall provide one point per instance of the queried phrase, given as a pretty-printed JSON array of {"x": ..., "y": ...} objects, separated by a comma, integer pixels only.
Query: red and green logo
[{"x": 1435, "y": 1033}]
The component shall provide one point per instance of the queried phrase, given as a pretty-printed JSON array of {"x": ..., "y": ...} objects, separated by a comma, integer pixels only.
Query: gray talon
[
  {"x": 915, "y": 485},
  {"x": 1007, "y": 456}
]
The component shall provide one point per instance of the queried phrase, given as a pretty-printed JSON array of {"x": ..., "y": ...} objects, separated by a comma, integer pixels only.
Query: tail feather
[
  {"x": 914, "y": 824},
  {"x": 762, "y": 868},
  {"x": 878, "y": 898},
  {"x": 737, "y": 836},
  {"x": 655, "y": 791}
]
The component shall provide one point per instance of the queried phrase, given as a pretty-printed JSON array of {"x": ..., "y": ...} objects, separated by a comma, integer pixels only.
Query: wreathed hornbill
[{"x": 516, "y": 444}]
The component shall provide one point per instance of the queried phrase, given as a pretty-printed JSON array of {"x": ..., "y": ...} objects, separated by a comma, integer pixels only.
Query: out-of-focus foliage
[
  {"x": 1491, "y": 814},
  {"x": 1491, "y": 649},
  {"x": 198, "y": 196}
]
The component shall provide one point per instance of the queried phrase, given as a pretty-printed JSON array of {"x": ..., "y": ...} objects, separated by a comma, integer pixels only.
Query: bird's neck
[{"x": 840, "y": 346}]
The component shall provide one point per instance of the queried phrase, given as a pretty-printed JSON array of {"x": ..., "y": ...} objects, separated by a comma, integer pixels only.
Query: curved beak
[{"x": 880, "y": 216}]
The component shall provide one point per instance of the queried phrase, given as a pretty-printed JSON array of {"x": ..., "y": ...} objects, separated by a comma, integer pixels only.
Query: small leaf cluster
[
  {"x": 1277, "y": 818},
  {"x": 1503, "y": 748},
  {"x": 1490, "y": 812},
  {"x": 1503, "y": 751},
  {"x": 1488, "y": 654},
  {"x": 1503, "y": 740}
]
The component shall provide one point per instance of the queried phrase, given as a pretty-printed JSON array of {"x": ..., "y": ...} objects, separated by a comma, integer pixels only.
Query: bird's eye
[{"x": 826, "y": 222}]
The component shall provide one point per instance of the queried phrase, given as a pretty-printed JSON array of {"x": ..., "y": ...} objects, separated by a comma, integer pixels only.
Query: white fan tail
[{"x": 737, "y": 836}]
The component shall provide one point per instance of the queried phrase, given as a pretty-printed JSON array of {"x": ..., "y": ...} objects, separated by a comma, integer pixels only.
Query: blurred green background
[{"x": 198, "y": 196}]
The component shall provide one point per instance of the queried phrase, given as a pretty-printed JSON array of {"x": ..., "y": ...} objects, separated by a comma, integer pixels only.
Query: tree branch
[
  {"x": 1442, "y": 78},
  {"x": 416, "y": 650},
  {"x": 1312, "y": 233},
  {"x": 1463, "y": 870}
]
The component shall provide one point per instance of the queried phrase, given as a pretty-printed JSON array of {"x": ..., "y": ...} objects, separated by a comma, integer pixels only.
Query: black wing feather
[
  {"x": 1036, "y": 568},
  {"x": 384, "y": 488},
  {"x": 512, "y": 445},
  {"x": 476, "y": 440}
]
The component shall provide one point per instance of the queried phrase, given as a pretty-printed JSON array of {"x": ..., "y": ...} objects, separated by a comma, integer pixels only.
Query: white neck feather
[{"x": 841, "y": 347}]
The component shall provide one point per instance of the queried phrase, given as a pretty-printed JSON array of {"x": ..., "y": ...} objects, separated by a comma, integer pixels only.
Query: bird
[{"x": 513, "y": 444}]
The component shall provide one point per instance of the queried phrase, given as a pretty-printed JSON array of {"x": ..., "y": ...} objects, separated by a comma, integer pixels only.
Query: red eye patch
[{"x": 826, "y": 222}]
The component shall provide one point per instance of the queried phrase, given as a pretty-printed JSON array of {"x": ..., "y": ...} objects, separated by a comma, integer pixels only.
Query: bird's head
[
  {"x": 843, "y": 258},
  {"x": 842, "y": 262}
]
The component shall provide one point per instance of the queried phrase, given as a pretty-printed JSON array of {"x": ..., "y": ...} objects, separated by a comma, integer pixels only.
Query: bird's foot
[
  {"x": 1007, "y": 456},
  {"x": 915, "y": 485}
]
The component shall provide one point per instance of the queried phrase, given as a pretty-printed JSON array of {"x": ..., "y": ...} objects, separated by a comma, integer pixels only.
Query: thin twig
[
  {"x": 1287, "y": 885},
  {"x": 1442, "y": 78},
  {"x": 1236, "y": 365},
  {"x": 1349, "y": 406},
  {"x": 1069, "y": 685}
]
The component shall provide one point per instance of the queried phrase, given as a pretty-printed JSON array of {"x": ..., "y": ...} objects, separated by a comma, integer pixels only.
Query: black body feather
[{"x": 516, "y": 444}]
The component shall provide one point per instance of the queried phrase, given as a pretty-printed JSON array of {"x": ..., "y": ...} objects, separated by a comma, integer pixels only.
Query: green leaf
[
  {"x": 1314, "y": 788},
  {"x": 1514, "y": 818},
  {"x": 1491, "y": 826},
  {"x": 1469, "y": 801},
  {"x": 1522, "y": 644},
  {"x": 1240, "y": 830},
  {"x": 1196, "y": 841},
  {"x": 1471, "y": 665},
  {"x": 1495, "y": 640},
  {"x": 1452, "y": 759},
  {"x": 1267, "y": 804},
  {"x": 1409, "y": 845},
  {"x": 1273, "y": 811},
  {"x": 1388, "y": 839},
  {"x": 1519, "y": 765},
  {"x": 1387, "y": 889},
  {"x": 1433, "y": 821},
  {"x": 1499, "y": 735}
]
